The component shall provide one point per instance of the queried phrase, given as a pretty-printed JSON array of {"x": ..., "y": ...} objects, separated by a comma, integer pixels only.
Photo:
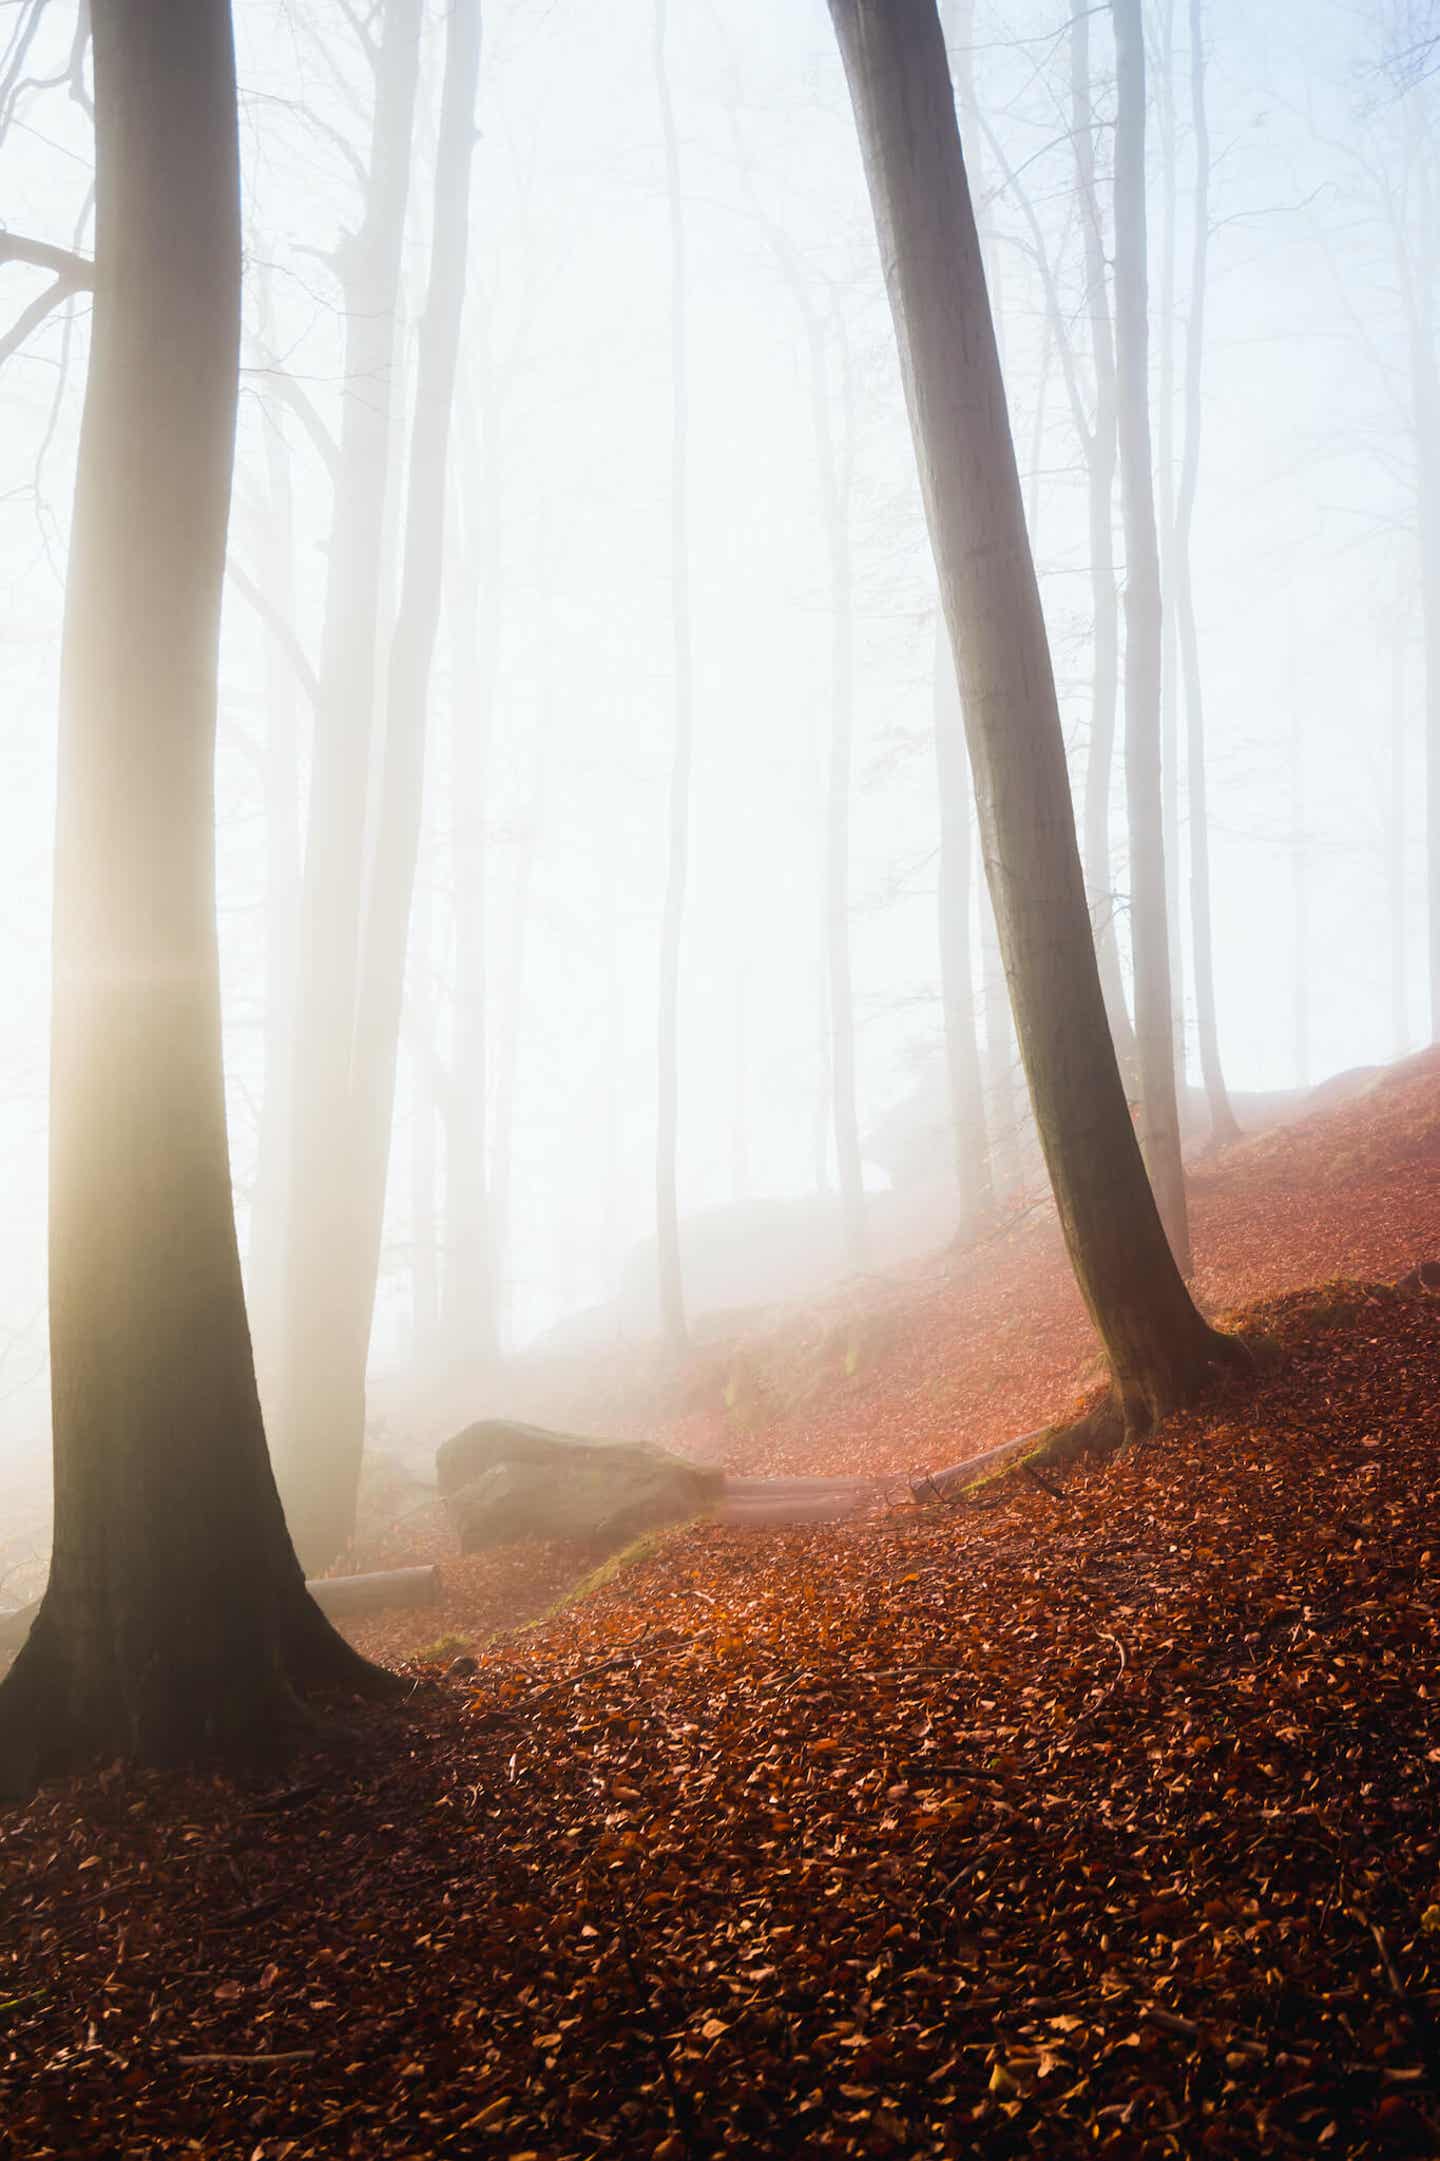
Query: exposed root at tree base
[{"x": 57, "y": 1718}]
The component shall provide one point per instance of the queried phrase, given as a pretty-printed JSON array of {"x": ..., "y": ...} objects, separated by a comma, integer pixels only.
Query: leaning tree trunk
[
  {"x": 969, "y": 1127},
  {"x": 1160, "y": 1349},
  {"x": 1223, "y": 1126},
  {"x": 322, "y": 1397},
  {"x": 327, "y": 1482},
  {"x": 176, "y": 1618},
  {"x": 1100, "y": 461},
  {"x": 1004, "y": 1117},
  {"x": 1166, "y": 492},
  {"x": 1149, "y": 933},
  {"x": 667, "y": 1121}
]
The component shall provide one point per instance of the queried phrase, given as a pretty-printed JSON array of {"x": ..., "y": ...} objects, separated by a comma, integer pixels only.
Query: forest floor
[{"x": 1103, "y": 1820}]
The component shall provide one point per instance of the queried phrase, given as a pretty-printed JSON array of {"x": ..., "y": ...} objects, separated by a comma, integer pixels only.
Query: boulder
[{"x": 502, "y": 1481}]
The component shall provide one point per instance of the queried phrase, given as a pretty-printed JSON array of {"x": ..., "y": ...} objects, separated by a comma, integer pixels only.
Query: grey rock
[{"x": 503, "y": 1482}]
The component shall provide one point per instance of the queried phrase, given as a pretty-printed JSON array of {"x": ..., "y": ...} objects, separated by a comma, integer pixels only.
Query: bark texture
[
  {"x": 322, "y": 1399},
  {"x": 1223, "y": 1125},
  {"x": 325, "y": 1479},
  {"x": 1101, "y": 453},
  {"x": 969, "y": 1126},
  {"x": 1149, "y": 929},
  {"x": 176, "y": 1619},
  {"x": 1160, "y": 1349}
]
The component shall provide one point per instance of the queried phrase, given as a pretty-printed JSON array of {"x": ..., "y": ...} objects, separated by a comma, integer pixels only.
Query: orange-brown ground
[{"x": 1099, "y": 1823}]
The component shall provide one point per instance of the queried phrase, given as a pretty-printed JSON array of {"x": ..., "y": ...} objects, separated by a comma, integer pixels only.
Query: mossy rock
[{"x": 504, "y": 1482}]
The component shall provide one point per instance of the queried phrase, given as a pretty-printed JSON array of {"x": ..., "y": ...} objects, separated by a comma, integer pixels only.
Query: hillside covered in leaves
[{"x": 1092, "y": 1817}]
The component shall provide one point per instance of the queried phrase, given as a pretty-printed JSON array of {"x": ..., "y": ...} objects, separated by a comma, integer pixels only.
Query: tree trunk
[
  {"x": 326, "y": 1487},
  {"x": 1000, "y": 1124},
  {"x": 176, "y": 1620},
  {"x": 834, "y": 470},
  {"x": 968, "y": 1124},
  {"x": 1159, "y": 1115},
  {"x": 1300, "y": 892},
  {"x": 424, "y": 1062},
  {"x": 1005, "y": 1107},
  {"x": 1394, "y": 843},
  {"x": 667, "y": 1105},
  {"x": 265, "y": 1272},
  {"x": 739, "y": 1087},
  {"x": 1166, "y": 490},
  {"x": 1160, "y": 1350},
  {"x": 469, "y": 1306},
  {"x": 1100, "y": 462},
  {"x": 502, "y": 1157},
  {"x": 1425, "y": 378},
  {"x": 1223, "y": 1126},
  {"x": 322, "y": 1401}
]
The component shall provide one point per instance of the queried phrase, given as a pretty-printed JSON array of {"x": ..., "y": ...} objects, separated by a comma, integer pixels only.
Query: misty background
[{"x": 555, "y": 650}]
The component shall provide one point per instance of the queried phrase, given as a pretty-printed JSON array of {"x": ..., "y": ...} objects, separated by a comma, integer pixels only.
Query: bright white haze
[{"x": 559, "y": 534}]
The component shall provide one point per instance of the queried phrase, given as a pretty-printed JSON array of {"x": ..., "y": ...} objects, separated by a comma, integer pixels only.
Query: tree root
[{"x": 251, "y": 1704}]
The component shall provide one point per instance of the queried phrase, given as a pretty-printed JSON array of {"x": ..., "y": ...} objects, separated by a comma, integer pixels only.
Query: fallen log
[
  {"x": 989, "y": 1459},
  {"x": 347, "y": 1597},
  {"x": 377, "y": 1593}
]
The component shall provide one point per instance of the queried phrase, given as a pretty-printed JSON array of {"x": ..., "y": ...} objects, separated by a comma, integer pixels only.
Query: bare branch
[
  {"x": 30, "y": 318},
  {"x": 303, "y": 407},
  {"x": 282, "y": 632},
  {"x": 74, "y": 271}
]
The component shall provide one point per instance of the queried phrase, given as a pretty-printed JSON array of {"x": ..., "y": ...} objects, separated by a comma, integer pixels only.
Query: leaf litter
[{"x": 1096, "y": 1824}]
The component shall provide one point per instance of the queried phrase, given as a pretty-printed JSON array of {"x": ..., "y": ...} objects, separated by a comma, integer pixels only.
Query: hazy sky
[{"x": 1303, "y": 556}]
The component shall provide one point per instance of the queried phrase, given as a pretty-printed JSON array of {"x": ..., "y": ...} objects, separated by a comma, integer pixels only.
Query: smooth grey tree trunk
[
  {"x": 1149, "y": 933},
  {"x": 1300, "y": 899},
  {"x": 1223, "y": 1126},
  {"x": 507, "y": 1059},
  {"x": 1003, "y": 1114},
  {"x": 1425, "y": 393},
  {"x": 1160, "y": 1349},
  {"x": 176, "y": 1620},
  {"x": 421, "y": 1024},
  {"x": 969, "y": 1126},
  {"x": 322, "y": 1399},
  {"x": 469, "y": 1321},
  {"x": 1166, "y": 490},
  {"x": 283, "y": 732},
  {"x": 333, "y": 1463},
  {"x": 834, "y": 463},
  {"x": 1101, "y": 455},
  {"x": 667, "y": 1095}
]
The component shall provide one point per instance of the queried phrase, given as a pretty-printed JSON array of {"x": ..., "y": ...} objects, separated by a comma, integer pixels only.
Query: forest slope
[
  {"x": 925, "y": 1368},
  {"x": 1103, "y": 1824}
]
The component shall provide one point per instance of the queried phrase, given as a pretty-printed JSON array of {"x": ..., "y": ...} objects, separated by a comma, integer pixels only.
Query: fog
[{"x": 551, "y": 705}]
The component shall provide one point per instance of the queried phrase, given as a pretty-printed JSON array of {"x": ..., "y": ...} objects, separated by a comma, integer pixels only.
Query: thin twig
[{"x": 283, "y": 2055}]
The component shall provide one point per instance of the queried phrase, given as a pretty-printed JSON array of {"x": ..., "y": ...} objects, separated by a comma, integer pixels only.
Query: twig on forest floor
[
  {"x": 926, "y": 1489},
  {"x": 1387, "y": 1963},
  {"x": 264, "y": 2056},
  {"x": 1045, "y": 1484},
  {"x": 1170, "y": 2022},
  {"x": 604, "y": 1665}
]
